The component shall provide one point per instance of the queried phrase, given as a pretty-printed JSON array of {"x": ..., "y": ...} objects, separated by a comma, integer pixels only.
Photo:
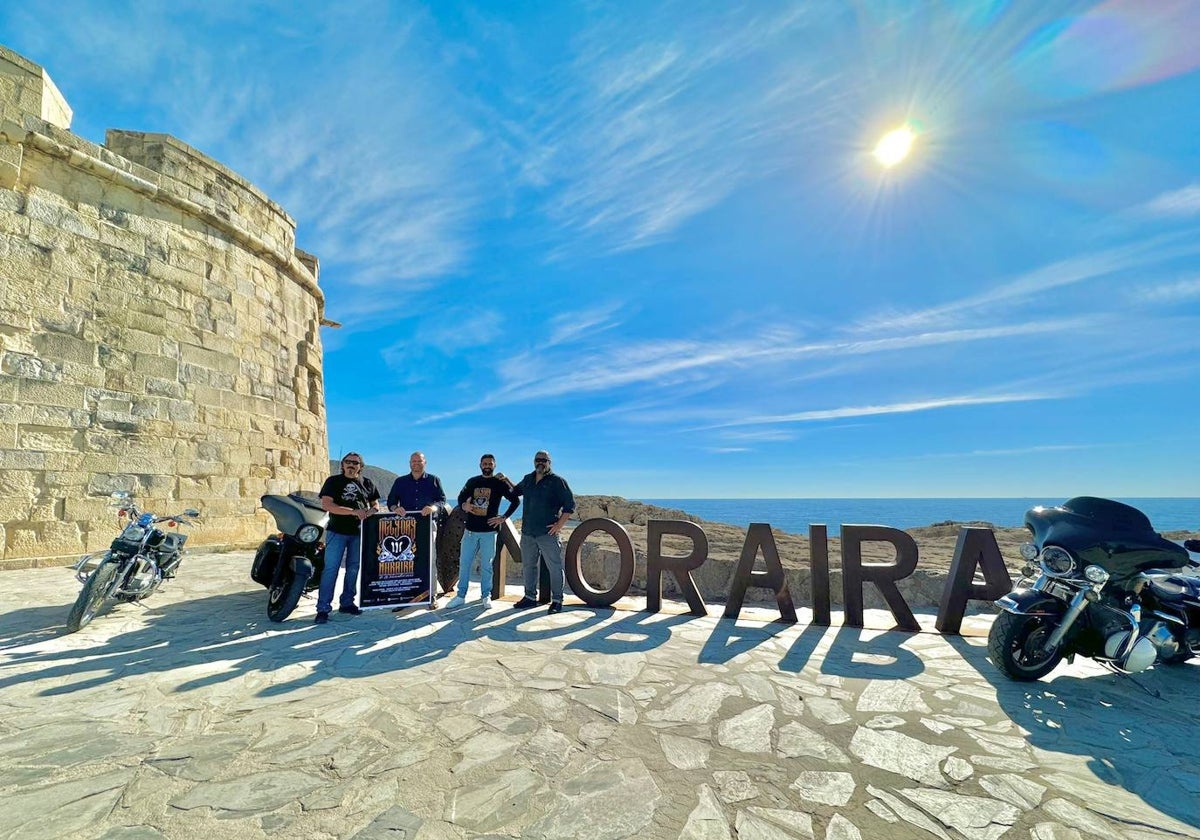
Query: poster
[{"x": 396, "y": 566}]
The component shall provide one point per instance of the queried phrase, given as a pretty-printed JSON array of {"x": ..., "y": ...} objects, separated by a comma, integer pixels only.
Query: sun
[{"x": 894, "y": 146}]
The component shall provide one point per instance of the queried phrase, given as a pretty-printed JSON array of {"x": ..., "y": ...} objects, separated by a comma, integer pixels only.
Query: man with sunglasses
[
  {"x": 350, "y": 498},
  {"x": 547, "y": 505}
]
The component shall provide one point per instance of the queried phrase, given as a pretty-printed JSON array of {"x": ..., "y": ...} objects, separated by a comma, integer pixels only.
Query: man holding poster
[{"x": 349, "y": 498}]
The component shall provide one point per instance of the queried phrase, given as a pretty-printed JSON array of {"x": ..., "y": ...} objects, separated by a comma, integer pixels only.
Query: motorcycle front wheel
[
  {"x": 93, "y": 598},
  {"x": 1015, "y": 646},
  {"x": 285, "y": 594}
]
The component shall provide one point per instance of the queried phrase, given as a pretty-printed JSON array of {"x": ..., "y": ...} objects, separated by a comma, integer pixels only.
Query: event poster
[{"x": 397, "y": 561}]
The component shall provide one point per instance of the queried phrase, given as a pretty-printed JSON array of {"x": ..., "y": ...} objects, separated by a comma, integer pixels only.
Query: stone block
[
  {"x": 48, "y": 438},
  {"x": 157, "y": 366},
  {"x": 30, "y": 367},
  {"x": 63, "y": 347}
]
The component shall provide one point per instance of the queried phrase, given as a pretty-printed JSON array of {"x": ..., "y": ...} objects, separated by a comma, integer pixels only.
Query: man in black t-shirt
[
  {"x": 350, "y": 498},
  {"x": 480, "y": 500}
]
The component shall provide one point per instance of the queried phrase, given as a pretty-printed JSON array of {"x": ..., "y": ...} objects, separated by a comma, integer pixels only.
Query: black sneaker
[
  {"x": 350, "y": 610},
  {"x": 322, "y": 618},
  {"x": 555, "y": 606},
  {"x": 525, "y": 603}
]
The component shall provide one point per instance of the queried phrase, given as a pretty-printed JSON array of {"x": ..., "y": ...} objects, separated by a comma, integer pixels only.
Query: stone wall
[{"x": 159, "y": 333}]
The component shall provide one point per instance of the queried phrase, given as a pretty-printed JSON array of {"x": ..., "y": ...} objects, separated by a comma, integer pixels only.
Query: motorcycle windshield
[
  {"x": 1115, "y": 536},
  {"x": 292, "y": 512}
]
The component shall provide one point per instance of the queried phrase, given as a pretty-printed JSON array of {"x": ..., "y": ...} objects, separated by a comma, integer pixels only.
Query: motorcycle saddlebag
[{"x": 262, "y": 571}]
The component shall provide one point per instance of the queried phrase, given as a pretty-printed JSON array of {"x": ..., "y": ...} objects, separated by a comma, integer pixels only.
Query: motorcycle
[
  {"x": 140, "y": 558},
  {"x": 289, "y": 563},
  {"x": 1098, "y": 583}
]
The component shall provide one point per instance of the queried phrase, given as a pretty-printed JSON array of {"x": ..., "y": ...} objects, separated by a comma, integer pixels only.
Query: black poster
[{"x": 397, "y": 560}]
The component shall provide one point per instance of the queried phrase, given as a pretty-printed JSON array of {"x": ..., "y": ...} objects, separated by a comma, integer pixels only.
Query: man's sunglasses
[
  {"x": 352, "y": 463},
  {"x": 541, "y": 460}
]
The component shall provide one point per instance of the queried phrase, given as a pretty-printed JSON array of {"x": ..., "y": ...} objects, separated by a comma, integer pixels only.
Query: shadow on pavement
[{"x": 1139, "y": 733}]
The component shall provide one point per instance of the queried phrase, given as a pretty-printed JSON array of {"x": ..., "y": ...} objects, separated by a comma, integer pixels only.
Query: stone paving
[{"x": 193, "y": 716}]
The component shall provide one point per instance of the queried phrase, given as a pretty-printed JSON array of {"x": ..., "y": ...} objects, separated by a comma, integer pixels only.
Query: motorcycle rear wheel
[
  {"x": 283, "y": 597},
  {"x": 1015, "y": 646},
  {"x": 93, "y": 598}
]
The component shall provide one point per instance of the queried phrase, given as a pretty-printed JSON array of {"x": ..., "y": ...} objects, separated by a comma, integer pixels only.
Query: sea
[{"x": 795, "y": 515}]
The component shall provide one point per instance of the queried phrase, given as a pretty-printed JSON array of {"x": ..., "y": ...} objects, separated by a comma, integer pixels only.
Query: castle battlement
[{"x": 159, "y": 333}]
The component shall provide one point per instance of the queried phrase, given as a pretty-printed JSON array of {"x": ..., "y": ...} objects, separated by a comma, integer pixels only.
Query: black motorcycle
[
  {"x": 141, "y": 557},
  {"x": 289, "y": 563},
  {"x": 1098, "y": 583}
]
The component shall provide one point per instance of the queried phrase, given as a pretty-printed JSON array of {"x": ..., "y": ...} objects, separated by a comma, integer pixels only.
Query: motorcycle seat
[{"x": 1173, "y": 588}]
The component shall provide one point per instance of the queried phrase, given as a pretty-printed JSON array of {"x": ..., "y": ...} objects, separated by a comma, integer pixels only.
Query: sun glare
[{"x": 894, "y": 146}]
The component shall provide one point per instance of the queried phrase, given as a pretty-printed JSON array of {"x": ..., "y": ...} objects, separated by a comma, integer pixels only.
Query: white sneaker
[
  {"x": 456, "y": 601},
  {"x": 485, "y": 602}
]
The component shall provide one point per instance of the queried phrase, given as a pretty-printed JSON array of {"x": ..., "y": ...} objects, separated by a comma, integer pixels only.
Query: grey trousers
[{"x": 549, "y": 548}]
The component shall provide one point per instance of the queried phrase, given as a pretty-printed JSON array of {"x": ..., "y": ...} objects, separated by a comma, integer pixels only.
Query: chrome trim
[{"x": 1172, "y": 618}]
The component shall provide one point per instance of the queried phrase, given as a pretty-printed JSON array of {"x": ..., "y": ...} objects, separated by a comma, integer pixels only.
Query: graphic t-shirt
[
  {"x": 356, "y": 493},
  {"x": 480, "y": 500}
]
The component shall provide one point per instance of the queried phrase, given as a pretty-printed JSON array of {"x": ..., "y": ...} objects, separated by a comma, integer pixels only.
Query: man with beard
[
  {"x": 548, "y": 505},
  {"x": 350, "y": 498},
  {"x": 480, "y": 500}
]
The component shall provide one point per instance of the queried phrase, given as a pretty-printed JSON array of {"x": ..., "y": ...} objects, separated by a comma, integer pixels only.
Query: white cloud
[
  {"x": 640, "y": 134},
  {"x": 1171, "y": 292},
  {"x": 893, "y": 408},
  {"x": 1035, "y": 284},
  {"x": 1176, "y": 203}
]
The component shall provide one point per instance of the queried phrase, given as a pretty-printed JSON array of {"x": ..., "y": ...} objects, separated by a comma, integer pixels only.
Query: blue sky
[{"x": 652, "y": 238}]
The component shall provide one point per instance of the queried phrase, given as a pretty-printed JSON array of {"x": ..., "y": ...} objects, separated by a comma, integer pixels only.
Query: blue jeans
[
  {"x": 549, "y": 548},
  {"x": 338, "y": 546},
  {"x": 482, "y": 543}
]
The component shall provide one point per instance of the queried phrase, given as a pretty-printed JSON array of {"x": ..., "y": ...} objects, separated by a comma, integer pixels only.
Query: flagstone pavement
[{"x": 193, "y": 716}]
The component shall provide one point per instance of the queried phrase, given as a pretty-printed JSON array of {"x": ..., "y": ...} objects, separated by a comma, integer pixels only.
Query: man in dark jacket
[
  {"x": 480, "y": 500},
  {"x": 419, "y": 492},
  {"x": 548, "y": 505},
  {"x": 350, "y": 498}
]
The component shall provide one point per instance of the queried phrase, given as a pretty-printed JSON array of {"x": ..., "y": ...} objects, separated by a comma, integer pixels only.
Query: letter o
[{"x": 586, "y": 592}]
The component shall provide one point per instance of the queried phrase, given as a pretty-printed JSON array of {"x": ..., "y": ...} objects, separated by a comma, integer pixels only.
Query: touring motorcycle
[
  {"x": 289, "y": 563},
  {"x": 134, "y": 566},
  {"x": 1099, "y": 582}
]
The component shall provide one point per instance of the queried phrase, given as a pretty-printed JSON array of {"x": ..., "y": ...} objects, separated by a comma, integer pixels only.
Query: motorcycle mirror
[{"x": 191, "y": 512}]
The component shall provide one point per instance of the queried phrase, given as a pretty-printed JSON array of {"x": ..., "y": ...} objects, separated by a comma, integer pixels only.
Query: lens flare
[{"x": 894, "y": 146}]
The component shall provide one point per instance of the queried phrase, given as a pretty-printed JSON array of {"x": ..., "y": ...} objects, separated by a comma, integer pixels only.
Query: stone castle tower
[{"x": 159, "y": 333}]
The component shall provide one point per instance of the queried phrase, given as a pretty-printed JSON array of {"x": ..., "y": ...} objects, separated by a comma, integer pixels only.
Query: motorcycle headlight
[
  {"x": 309, "y": 533},
  {"x": 133, "y": 533},
  {"x": 1095, "y": 574},
  {"x": 1056, "y": 561},
  {"x": 1029, "y": 551}
]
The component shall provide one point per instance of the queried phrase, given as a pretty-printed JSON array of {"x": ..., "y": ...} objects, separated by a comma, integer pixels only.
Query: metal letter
[
  {"x": 599, "y": 597},
  {"x": 883, "y": 575},
  {"x": 509, "y": 545},
  {"x": 818, "y": 562},
  {"x": 976, "y": 547},
  {"x": 682, "y": 567},
  {"x": 759, "y": 535}
]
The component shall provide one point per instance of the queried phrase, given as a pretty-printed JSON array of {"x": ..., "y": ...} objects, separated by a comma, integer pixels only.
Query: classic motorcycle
[
  {"x": 289, "y": 563},
  {"x": 134, "y": 566},
  {"x": 1098, "y": 583}
]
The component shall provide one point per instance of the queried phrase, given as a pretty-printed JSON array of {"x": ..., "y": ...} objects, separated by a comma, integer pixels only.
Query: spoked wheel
[
  {"x": 1016, "y": 646},
  {"x": 93, "y": 598},
  {"x": 285, "y": 593}
]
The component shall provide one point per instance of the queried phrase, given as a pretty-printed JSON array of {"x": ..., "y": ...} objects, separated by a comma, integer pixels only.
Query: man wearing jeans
[
  {"x": 480, "y": 500},
  {"x": 548, "y": 505},
  {"x": 350, "y": 498}
]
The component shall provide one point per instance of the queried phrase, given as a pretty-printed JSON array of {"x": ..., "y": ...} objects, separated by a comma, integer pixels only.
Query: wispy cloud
[
  {"x": 1171, "y": 292},
  {"x": 1034, "y": 284},
  {"x": 642, "y": 134},
  {"x": 893, "y": 408},
  {"x": 1176, "y": 203}
]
